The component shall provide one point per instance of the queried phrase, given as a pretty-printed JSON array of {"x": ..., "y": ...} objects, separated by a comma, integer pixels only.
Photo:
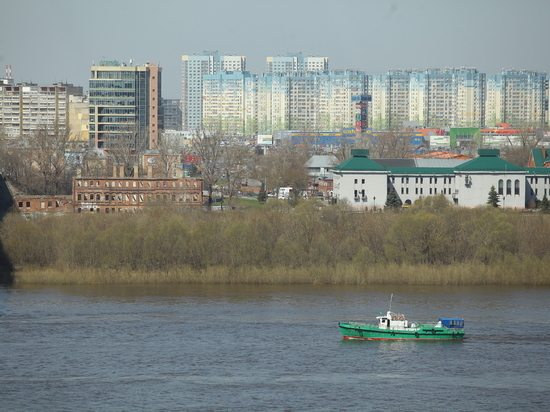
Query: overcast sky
[{"x": 46, "y": 41}]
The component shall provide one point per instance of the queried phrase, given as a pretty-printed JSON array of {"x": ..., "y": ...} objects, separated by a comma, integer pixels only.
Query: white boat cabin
[{"x": 394, "y": 321}]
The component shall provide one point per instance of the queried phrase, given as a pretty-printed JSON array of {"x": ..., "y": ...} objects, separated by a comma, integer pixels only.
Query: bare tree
[
  {"x": 94, "y": 162},
  {"x": 284, "y": 166},
  {"x": 169, "y": 154},
  {"x": 519, "y": 152},
  {"x": 208, "y": 146},
  {"x": 234, "y": 167},
  {"x": 126, "y": 148},
  {"x": 46, "y": 151},
  {"x": 390, "y": 145}
]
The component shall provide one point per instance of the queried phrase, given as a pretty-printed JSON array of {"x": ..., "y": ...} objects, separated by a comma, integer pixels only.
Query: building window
[
  {"x": 508, "y": 187},
  {"x": 516, "y": 187},
  {"x": 500, "y": 187}
]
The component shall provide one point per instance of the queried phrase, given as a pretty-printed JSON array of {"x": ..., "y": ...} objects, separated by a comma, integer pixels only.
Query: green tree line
[{"x": 430, "y": 234}]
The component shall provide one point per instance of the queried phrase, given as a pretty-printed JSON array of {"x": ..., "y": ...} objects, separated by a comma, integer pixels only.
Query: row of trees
[
  {"x": 430, "y": 232},
  {"x": 46, "y": 162}
]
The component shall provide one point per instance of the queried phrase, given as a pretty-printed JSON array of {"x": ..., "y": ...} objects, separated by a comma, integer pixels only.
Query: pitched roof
[
  {"x": 360, "y": 162},
  {"x": 488, "y": 161}
]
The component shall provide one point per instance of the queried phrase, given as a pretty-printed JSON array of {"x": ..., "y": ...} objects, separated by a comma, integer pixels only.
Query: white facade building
[
  {"x": 293, "y": 62},
  {"x": 365, "y": 184},
  {"x": 518, "y": 97},
  {"x": 193, "y": 69},
  {"x": 432, "y": 98}
]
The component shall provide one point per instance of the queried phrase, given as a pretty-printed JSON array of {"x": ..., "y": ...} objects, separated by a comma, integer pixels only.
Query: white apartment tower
[
  {"x": 308, "y": 101},
  {"x": 229, "y": 102},
  {"x": 518, "y": 97},
  {"x": 194, "y": 67},
  {"x": 294, "y": 62},
  {"x": 432, "y": 98}
]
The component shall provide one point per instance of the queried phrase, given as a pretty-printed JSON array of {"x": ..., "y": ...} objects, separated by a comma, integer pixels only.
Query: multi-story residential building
[
  {"x": 193, "y": 69},
  {"x": 28, "y": 107},
  {"x": 125, "y": 104},
  {"x": 432, "y": 98},
  {"x": 294, "y": 62},
  {"x": 517, "y": 97},
  {"x": 308, "y": 100},
  {"x": 229, "y": 102},
  {"x": 172, "y": 114},
  {"x": 390, "y": 94}
]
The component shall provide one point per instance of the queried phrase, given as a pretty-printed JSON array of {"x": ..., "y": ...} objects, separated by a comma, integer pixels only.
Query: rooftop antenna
[{"x": 8, "y": 71}]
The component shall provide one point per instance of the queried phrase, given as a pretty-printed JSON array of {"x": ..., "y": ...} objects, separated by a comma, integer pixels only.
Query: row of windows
[
  {"x": 110, "y": 84},
  {"x": 113, "y": 110},
  {"x": 508, "y": 187},
  {"x": 138, "y": 183},
  {"x": 137, "y": 197},
  {"x": 115, "y": 75},
  {"x": 112, "y": 93}
]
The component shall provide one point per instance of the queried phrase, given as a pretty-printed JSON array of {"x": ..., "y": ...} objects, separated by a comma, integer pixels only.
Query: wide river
[{"x": 259, "y": 348}]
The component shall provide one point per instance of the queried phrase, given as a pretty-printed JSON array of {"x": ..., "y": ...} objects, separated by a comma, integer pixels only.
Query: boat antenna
[{"x": 391, "y": 298}]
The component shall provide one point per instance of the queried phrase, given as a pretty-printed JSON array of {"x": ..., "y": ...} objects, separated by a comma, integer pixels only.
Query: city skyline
[{"x": 59, "y": 40}]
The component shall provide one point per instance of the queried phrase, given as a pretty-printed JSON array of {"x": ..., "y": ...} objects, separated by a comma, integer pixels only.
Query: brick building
[
  {"x": 131, "y": 194},
  {"x": 42, "y": 205}
]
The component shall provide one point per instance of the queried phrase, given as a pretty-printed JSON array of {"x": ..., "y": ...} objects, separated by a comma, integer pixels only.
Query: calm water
[{"x": 257, "y": 348}]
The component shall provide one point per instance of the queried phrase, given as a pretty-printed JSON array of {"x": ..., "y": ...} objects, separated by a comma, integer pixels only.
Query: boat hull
[{"x": 371, "y": 332}]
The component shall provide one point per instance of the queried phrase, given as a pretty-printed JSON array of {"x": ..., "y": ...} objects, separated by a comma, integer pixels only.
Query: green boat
[{"x": 394, "y": 326}]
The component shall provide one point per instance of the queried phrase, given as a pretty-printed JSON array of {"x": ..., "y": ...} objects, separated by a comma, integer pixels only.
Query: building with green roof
[{"x": 365, "y": 183}]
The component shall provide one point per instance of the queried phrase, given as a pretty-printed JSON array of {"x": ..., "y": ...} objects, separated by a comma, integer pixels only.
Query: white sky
[{"x": 47, "y": 41}]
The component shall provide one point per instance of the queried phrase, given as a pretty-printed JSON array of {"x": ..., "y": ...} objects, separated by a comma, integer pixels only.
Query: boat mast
[{"x": 391, "y": 298}]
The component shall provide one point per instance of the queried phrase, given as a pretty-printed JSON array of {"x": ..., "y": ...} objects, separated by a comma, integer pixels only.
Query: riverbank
[{"x": 511, "y": 272}]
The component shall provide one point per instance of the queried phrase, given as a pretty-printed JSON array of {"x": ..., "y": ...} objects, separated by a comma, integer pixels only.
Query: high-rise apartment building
[
  {"x": 432, "y": 98},
  {"x": 518, "y": 97},
  {"x": 390, "y": 99},
  {"x": 125, "y": 104},
  {"x": 293, "y": 62},
  {"x": 309, "y": 101},
  {"x": 194, "y": 67},
  {"x": 26, "y": 108},
  {"x": 229, "y": 102}
]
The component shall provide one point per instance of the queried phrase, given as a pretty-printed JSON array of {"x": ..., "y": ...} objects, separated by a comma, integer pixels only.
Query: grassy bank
[
  {"x": 431, "y": 243},
  {"x": 512, "y": 273}
]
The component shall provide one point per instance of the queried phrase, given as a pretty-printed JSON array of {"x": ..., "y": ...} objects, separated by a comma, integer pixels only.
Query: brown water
[{"x": 256, "y": 348}]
